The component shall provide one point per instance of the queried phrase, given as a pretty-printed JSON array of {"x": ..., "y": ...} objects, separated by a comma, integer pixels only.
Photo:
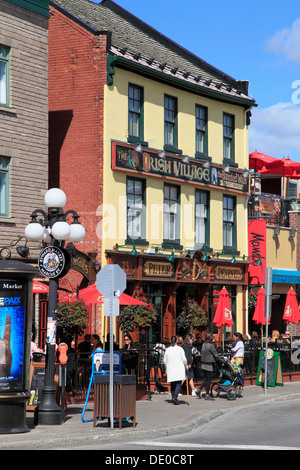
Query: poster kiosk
[{"x": 15, "y": 338}]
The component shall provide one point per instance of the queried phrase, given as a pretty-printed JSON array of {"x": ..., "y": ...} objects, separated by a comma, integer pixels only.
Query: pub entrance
[{"x": 156, "y": 296}]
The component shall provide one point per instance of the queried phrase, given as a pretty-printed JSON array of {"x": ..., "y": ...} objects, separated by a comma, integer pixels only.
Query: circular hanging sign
[
  {"x": 51, "y": 261},
  {"x": 270, "y": 353}
]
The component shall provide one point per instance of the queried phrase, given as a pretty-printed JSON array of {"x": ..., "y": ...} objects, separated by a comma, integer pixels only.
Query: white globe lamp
[
  {"x": 47, "y": 235},
  {"x": 61, "y": 230},
  {"x": 55, "y": 197},
  {"x": 77, "y": 232},
  {"x": 34, "y": 231}
]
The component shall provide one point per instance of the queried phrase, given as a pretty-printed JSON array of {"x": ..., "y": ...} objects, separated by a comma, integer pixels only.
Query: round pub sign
[{"x": 51, "y": 261}]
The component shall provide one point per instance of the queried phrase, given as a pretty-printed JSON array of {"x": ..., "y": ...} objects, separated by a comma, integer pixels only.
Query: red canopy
[
  {"x": 283, "y": 166},
  {"x": 91, "y": 295},
  {"x": 291, "y": 310},
  {"x": 259, "y": 161},
  {"x": 39, "y": 288},
  {"x": 223, "y": 315},
  {"x": 259, "y": 312}
]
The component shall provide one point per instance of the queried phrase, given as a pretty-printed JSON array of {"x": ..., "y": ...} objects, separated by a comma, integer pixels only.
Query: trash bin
[{"x": 124, "y": 390}]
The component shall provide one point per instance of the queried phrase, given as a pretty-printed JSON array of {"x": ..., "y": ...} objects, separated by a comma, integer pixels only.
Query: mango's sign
[{"x": 127, "y": 158}]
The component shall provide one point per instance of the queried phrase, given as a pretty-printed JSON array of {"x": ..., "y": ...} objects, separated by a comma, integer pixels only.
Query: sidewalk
[{"x": 156, "y": 417}]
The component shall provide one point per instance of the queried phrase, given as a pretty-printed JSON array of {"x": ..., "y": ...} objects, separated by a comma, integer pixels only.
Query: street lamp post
[{"x": 53, "y": 229}]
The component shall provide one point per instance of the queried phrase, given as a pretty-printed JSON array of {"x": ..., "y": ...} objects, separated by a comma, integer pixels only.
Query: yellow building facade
[{"x": 156, "y": 172}]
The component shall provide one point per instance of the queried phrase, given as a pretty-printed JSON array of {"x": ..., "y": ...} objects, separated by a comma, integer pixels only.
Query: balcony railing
[{"x": 271, "y": 207}]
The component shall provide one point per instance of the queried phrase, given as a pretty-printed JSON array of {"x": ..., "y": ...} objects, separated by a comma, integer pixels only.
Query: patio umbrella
[
  {"x": 287, "y": 168},
  {"x": 283, "y": 166},
  {"x": 223, "y": 315},
  {"x": 259, "y": 161},
  {"x": 39, "y": 288},
  {"x": 291, "y": 310},
  {"x": 259, "y": 312},
  {"x": 91, "y": 295}
]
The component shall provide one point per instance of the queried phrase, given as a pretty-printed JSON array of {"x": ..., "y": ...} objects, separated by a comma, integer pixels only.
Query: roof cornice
[{"x": 192, "y": 85}]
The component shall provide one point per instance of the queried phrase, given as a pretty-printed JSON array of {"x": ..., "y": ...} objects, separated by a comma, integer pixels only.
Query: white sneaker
[{"x": 194, "y": 394}]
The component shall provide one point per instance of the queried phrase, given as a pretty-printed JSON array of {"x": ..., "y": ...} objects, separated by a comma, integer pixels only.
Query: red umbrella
[
  {"x": 39, "y": 288},
  {"x": 223, "y": 315},
  {"x": 283, "y": 166},
  {"x": 258, "y": 161},
  {"x": 91, "y": 295},
  {"x": 291, "y": 310},
  {"x": 259, "y": 312}
]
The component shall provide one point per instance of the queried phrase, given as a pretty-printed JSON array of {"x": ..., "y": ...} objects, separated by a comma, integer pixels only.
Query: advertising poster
[{"x": 12, "y": 325}]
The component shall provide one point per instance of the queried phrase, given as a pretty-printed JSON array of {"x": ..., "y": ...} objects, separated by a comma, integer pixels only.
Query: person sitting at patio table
[{"x": 129, "y": 355}]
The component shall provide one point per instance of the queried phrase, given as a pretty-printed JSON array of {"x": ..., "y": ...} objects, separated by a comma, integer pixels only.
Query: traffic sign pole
[{"x": 111, "y": 282}]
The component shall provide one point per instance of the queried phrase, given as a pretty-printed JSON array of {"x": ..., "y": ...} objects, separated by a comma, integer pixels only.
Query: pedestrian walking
[
  {"x": 187, "y": 347},
  {"x": 175, "y": 363},
  {"x": 209, "y": 358}
]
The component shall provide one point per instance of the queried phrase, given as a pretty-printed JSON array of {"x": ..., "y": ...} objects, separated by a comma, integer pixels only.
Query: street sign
[
  {"x": 111, "y": 307},
  {"x": 111, "y": 281}
]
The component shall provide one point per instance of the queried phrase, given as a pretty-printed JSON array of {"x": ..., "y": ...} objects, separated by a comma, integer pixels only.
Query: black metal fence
[
  {"x": 270, "y": 207},
  {"x": 147, "y": 365}
]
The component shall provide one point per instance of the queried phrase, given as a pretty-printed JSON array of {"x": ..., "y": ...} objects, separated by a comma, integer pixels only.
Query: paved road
[{"x": 266, "y": 426}]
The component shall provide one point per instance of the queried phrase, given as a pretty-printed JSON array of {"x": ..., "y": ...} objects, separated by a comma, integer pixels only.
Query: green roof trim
[{"x": 37, "y": 6}]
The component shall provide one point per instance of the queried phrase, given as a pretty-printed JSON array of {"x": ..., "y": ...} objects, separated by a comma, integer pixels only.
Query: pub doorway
[{"x": 156, "y": 295}]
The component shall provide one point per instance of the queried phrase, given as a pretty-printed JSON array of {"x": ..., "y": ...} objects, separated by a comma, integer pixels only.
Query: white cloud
[
  {"x": 287, "y": 42},
  {"x": 276, "y": 131}
]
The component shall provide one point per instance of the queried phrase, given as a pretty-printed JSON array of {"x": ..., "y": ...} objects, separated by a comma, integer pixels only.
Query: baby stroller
[{"x": 230, "y": 380}]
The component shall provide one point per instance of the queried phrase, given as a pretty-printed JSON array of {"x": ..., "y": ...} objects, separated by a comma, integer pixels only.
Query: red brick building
[{"x": 77, "y": 73}]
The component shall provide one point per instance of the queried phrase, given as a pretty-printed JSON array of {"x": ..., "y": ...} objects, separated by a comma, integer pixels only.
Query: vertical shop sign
[{"x": 257, "y": 251}]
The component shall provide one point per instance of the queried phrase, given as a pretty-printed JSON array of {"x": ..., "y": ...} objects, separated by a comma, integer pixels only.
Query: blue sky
[{"x": 257, "y": 41}]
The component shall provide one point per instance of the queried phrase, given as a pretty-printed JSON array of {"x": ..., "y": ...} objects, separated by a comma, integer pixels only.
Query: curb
[{"x": 48, "y": 442}]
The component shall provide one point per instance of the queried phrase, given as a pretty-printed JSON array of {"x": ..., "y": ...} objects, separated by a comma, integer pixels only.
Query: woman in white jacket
[{"x": 175, "y": 363}]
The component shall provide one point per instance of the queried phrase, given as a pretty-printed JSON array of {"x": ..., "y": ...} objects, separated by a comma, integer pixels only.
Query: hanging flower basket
[
  {"x": 137, "y": 316},
  {"x": 252, "y": 299},
  {"x": 72, "y": 319},
  {"x": 192, "y": 317}
]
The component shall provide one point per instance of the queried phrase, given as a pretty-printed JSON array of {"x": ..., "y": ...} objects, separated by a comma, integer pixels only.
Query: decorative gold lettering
[{"x": 157, "y": 268}]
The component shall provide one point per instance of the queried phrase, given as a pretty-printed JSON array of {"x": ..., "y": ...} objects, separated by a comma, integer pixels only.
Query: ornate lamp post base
[{"x": 48, "y": 412}]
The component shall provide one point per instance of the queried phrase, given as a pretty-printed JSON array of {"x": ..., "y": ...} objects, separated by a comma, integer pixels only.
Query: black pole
[{"x": 48, "y": 412}]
